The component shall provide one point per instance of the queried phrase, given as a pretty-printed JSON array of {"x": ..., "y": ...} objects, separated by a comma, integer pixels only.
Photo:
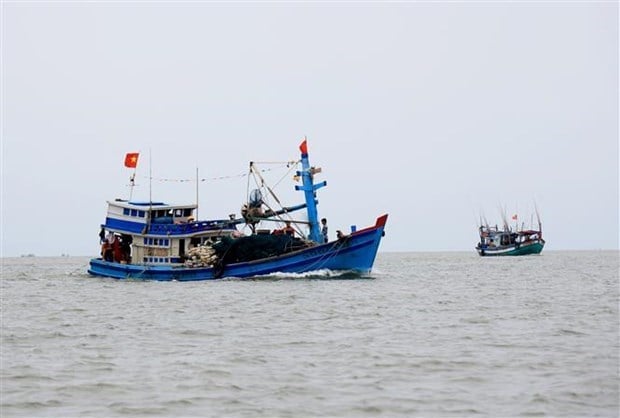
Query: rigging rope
[
  {"x": 234, "y": 176},
  {"x": 261, "y": 183}
]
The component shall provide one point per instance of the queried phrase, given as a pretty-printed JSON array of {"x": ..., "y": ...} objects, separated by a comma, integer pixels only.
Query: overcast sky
[{"x": 433, "y": 112}]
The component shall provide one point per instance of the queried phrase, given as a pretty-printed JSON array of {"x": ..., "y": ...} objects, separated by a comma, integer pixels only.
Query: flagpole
[
  {"x": 132, "y": 183},
  {"x": 150, "y": 187},
  {"x": 133, "y": 177},
  {"x": 131, "y": 161},
  {"x": 132, "y": 180}
]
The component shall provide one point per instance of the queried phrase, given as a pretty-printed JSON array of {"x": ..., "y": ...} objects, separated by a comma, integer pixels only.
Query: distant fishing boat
[
  {"x": 159, "y": 241},
  {"x": 509, "y": 242}
]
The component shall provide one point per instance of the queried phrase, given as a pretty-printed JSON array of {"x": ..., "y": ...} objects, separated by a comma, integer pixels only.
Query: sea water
[{"x": 426, "y": 334}]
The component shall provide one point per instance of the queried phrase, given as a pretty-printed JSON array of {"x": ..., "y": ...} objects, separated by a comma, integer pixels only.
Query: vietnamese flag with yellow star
[{"x": 131, "y": 159}]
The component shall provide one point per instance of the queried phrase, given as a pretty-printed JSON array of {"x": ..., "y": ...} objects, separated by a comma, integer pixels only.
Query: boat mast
[
  {"x": 150, "y": 178},
  {"x": 149, "y": 218},
  {"x": 309, "y": 189},
  {"x": 197, "y": 181},
  {"x": 539, "y": 222}
]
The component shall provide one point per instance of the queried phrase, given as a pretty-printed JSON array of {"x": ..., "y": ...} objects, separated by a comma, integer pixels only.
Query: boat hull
[
  {"x": 355, "y": 252},
  {"x": 512, "y": 250}
]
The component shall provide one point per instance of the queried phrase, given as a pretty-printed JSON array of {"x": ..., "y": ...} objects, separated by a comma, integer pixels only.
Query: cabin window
[
  {"x": 157, "y": 242},
  {"x": 156, "y": 260},
  {"x": 134, "y": 212}
]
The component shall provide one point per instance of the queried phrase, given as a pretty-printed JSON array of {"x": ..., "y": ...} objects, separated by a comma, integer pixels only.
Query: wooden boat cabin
[{"x": 157, "y": 233}]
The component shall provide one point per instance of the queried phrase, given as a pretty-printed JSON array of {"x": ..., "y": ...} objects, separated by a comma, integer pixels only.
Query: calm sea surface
[{"x": 426, "y": 334}]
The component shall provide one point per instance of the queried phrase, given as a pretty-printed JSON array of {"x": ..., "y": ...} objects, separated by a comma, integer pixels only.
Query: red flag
[
  {"x": 514, "y": 217},
  {"x": 304, "y": 147},
  {"x": 131, "y": 159}
]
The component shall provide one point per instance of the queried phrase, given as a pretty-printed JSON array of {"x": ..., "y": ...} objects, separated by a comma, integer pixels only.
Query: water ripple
[{"x": 431, "y": 335}]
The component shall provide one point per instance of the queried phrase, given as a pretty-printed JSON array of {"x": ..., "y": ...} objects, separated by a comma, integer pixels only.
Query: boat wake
[{"x": 324, "y": 274}]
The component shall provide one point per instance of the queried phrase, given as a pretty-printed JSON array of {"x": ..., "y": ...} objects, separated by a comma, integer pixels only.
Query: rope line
[{"x": 287, "y": 164}]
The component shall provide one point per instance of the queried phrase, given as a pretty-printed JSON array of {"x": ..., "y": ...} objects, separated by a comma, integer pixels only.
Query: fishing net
[{"x": 235, "y": 250}]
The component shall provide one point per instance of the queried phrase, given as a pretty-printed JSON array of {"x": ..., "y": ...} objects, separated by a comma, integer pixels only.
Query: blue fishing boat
[{"x": 158, "y": 241}]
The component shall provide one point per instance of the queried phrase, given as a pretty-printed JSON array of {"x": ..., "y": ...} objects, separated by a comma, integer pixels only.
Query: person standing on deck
[
  {"x": 106, "y": 250},
  {"x": 288, "y": 229},
  {"x": 324, "y": 230}
]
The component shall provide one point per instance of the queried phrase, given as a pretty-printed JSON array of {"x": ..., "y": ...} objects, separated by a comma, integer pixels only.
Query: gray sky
[{"x": 433, "y": 112}]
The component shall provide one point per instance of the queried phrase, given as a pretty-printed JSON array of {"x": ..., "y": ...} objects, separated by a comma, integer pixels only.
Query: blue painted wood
[
  {"x": 355, "y": 252},
  {"x": 309, "y": 189}
]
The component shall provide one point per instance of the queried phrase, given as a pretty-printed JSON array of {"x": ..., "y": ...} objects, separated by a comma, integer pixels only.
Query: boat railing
[{"x": 190, "y": 227}]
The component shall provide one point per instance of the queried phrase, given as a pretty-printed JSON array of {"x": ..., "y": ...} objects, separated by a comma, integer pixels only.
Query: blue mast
[{"x": 309, "y": 188}]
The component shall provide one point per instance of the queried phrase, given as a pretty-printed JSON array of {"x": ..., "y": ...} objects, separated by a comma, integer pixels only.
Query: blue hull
[{"x": 355, "y": 252}]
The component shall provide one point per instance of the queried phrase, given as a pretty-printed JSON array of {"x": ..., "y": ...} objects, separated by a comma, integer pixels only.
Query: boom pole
[{"x": 309, "y": 189}]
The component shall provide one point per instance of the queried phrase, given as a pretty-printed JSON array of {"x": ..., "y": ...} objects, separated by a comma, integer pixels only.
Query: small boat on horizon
[
  {"x": 159, "y": 241},
  {"x": 509, "y": 242}
]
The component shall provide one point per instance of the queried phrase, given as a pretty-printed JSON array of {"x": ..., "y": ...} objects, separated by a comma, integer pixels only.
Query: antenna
[{"x": 197, "y": 194}]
